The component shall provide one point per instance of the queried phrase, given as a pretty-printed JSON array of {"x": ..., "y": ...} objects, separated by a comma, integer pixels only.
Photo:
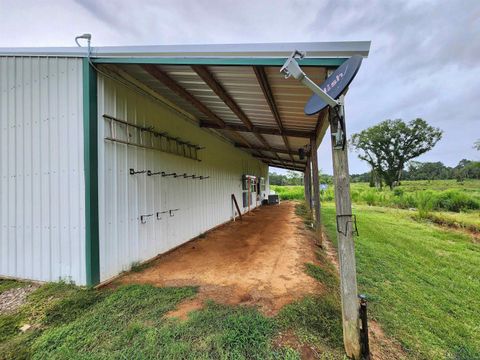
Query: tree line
[
  {"x": 391, "y": 145},
  {"x": 389, "y": 148},
  {"x": 466, "y": 169},
  {"x": 415, "y": 170}
]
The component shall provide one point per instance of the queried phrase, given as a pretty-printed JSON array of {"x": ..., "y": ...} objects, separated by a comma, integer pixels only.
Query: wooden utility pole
[
  {"x": 308, "y": 184},
  {"x": 316, "y": 189},
  {"x": 345, "y": 228}
]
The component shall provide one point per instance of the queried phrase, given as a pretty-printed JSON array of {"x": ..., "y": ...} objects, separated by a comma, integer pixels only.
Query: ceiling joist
[
  {"x": 267, "y": 92},
  {"x": 261, "y": 130},
  {"x": 260, "y": 148},
  {"x": 217, "y": 88},
  {"x": 169, "y": 82}
]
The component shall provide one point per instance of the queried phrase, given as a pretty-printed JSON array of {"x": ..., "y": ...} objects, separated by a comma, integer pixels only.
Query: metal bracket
[
  {"x": 353, "y": 221},
  {"x": 291, "y": 68},
  {"x": 172, "y": 212},
  {"x": 143, "y": 218},
  {"x": 133, "y": 172},
  {"x": 159, "y": 213},
  {"x": 339, "y": 137}
]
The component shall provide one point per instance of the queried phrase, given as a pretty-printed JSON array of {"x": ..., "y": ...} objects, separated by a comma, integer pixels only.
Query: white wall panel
[
  {"x": 42, "y": 225},
  {"x": 123, "y": 198}
]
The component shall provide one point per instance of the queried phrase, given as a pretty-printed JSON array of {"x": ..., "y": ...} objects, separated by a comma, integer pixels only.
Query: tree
[
  {"x": 467, "y": 169},
  {"x": 428, "y": 171},
  {"x": 294, "y": 177},
  {"x": 476, "y": 145},
  {"x": 389, "y": 145}
]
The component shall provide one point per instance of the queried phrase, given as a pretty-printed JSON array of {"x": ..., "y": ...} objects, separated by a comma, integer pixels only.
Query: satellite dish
[{"x": 335, "y": 85}]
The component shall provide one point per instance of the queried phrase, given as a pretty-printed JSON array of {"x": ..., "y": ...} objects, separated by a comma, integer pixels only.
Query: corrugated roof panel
[
  {"x": 296, "y": 143},
  {"x": 291, "y": 96},
  {"x": 191, "y": 82},
  {"x": 242, "y": 85}
]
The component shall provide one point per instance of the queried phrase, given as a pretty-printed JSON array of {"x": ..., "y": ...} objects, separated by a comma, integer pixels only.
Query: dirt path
[{"x": 257, "y": 261}]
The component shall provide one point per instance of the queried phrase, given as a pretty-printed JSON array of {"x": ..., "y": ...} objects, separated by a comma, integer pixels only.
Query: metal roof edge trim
[
  {"x": 219, "y": 61},
  {"x": 339, "y": 49}
]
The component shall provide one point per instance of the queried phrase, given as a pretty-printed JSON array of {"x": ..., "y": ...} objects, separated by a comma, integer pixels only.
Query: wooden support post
[
  {"x": 346, "y": 251},
  {"x": 308, "y": 184},
  {"x": 316, "y": 190}
]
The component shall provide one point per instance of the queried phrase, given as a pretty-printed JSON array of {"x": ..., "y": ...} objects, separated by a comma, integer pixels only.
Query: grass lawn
[
  {"x": 423, "y": 282},
  {"x": 69, "y": 322}
]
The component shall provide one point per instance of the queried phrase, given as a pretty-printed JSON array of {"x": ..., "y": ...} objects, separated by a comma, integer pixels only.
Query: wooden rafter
[
  {"x": 261, "y": 130},
  {"x": 169, "y": 82},
  {"x": 287, "y": 162},
  {"x": 218, "y": 89},
  {"x": 289, "y": 167},
  {"x": 259, "y": 148},
  {"x": 267, "y": 92}
]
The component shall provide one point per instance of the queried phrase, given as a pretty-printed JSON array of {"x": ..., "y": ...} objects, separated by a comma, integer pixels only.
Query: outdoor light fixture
[{"x": 87, "y": 37}]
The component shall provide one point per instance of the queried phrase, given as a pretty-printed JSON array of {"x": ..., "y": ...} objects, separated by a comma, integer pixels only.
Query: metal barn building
[{"x": 112, "y": 156}]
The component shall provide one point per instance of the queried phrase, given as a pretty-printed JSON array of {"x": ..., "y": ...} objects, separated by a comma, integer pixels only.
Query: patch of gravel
[{"x": 12, "y": 299}]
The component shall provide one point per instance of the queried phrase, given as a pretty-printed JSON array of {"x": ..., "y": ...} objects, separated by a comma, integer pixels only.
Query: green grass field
[
  {"x": 445, "y": 202},
  {"x": 69, "y": 322},
  {"x": 422, "y": 281}
]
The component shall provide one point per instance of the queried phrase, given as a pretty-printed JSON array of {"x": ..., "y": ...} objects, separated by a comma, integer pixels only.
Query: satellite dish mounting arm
[{"x": 291, "y": 68}]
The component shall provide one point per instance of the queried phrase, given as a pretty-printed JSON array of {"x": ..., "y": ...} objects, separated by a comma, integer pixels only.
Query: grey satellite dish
[{"x": 335, "y": 85}]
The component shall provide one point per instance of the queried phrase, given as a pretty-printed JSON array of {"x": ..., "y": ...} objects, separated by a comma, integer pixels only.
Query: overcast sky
[{"x": 424, "y": 60}]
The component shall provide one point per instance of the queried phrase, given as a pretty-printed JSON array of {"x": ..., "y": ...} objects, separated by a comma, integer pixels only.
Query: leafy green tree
[
  {"x": 428, "y": 171},
  {"x": 294, "y": 177},
  {"x": 467, "y": 169},
  {"x": 389, "y": 145}
]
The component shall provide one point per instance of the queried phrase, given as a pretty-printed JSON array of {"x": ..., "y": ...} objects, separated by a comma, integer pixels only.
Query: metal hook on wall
[
  {"x": 149, "y": 173},
  {"x": 133, "y": 172},
  {"x": 159, "y": 213},
  {"x": 179, "y": 175},
  {"x": 143, "y": 218},
  {"x": 171, "y": 174}
]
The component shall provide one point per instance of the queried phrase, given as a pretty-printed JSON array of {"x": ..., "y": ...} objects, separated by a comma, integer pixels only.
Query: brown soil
[{"x": 257, "y": 261}]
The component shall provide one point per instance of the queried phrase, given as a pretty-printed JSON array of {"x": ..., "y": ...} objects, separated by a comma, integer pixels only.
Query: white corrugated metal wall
[
  {"x": 42, "y": 214},
  {"x": 123, "y": 198}
]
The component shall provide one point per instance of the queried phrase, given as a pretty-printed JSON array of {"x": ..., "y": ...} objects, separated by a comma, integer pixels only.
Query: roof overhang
[{"x": 236, "y": 90}]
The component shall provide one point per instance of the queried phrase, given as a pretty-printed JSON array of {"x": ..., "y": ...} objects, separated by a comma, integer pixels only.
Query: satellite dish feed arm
[{"x": 291, "y": 68}]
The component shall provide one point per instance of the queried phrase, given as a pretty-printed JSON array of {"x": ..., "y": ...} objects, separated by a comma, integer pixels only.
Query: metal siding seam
[{"x": 92, "y": 259}]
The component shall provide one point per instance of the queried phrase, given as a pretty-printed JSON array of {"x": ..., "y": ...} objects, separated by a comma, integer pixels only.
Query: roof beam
[
  {"x": 261, "y": 130},
  {"x": 259, "y": 148},
  {"x": 287, "y": 162},
  {"x": 166, "y": 80},
  {"x": 270, "y": 163},
  {"x": 218, "y": 89},
  {"x": 262, "y": 79}
]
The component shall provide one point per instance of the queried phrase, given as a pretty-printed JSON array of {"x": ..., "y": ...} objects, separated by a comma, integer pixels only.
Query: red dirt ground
[{"x": 257, "y": 261}]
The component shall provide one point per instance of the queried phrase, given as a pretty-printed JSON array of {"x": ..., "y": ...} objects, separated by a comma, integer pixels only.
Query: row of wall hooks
[
  {"x": 158, "y": 215},
  {"x": 164, "y": 174},
  {"x": 124, "y": 132}
]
